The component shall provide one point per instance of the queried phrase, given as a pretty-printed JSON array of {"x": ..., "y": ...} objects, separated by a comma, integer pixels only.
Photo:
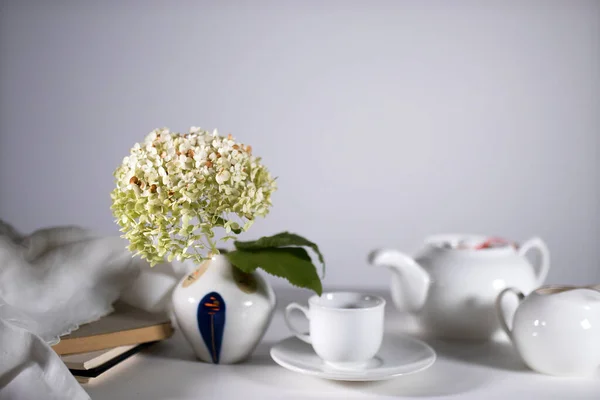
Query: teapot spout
[{"x": 410, "y": 282}]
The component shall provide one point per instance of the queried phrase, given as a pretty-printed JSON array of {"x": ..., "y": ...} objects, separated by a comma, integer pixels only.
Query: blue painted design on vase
[{"x": 211, "y": 323}]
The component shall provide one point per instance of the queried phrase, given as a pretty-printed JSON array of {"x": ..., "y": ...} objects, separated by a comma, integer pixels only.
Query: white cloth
[
  {"x": 31, "y": 370},
  {"x": 52, "y": 281}
]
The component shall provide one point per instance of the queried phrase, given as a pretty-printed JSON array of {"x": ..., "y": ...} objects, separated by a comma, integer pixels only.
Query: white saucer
[{"x": 399, "y": 355}]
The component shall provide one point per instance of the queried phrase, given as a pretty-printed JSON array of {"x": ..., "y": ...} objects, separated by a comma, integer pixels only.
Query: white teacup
[{"x": 346, "y": 328}]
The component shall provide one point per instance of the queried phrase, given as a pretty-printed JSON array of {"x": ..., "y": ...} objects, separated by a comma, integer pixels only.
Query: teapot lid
[{"x": 469, "y": 242}]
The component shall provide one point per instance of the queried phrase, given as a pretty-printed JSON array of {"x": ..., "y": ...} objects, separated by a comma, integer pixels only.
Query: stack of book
[{"x": 96, "y": 347}]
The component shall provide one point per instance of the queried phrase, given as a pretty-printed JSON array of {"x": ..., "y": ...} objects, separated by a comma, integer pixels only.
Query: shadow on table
[
  {"x": 437, "y": 381},
  {"x": 144, "y": 377},
  {"x": 492, "y": 354},
  {"x": 441, "y": 379}
]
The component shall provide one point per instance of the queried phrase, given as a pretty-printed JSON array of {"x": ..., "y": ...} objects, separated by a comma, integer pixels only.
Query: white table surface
[{"x": 463, "y": 370}]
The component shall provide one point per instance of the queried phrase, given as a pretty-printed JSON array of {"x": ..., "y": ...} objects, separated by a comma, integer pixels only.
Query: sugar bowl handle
[
  {"x": 500, "y": 309},
  {"x": 541, "y": 271}
]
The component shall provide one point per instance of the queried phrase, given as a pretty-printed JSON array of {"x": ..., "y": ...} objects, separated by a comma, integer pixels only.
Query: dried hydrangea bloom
[{"x": 174, "y": 189}]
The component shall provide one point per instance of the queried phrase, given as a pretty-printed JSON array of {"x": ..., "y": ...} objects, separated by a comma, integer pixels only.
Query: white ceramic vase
[{"x": 223, "y": 312}]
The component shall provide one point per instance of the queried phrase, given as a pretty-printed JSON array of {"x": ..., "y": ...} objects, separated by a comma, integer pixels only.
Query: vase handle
[{"x": 305, "y": 337}]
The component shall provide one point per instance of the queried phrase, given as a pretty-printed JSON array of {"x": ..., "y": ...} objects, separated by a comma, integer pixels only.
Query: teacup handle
[
  {"x": 288, "y": 311},
  {"x": 500, "y": 310},
  {"x": 544, "y": 267}
]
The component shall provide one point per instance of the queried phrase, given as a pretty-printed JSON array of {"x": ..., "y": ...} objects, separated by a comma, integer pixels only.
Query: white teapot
[
  {"x": 452, "y": 284},
  {"x": 556, "y": 329}
]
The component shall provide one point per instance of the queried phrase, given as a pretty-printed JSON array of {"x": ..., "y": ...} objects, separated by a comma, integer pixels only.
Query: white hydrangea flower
[
  {"x": 222, "y": 176},
  {"x": 174, "y": 189}
]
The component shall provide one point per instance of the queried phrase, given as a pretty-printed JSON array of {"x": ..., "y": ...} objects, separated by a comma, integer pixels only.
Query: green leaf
[
  {"x": 291, "y": 263},
  {"x": 282, "y": 239},
  {"x": 224, "y": 223}
]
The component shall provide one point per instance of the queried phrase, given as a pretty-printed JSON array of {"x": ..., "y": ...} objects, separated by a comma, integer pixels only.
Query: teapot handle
[
  {"x": 542, "y": 270},
  {"x": 500, "y": 310}
]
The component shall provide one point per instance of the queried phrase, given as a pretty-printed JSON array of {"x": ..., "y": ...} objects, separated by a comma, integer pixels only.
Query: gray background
[{"x": 385, "y": 121}]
